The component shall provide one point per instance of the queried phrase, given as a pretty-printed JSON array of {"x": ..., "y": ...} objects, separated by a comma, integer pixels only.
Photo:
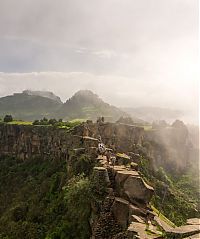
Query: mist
[{"x": 131, "y": 53}]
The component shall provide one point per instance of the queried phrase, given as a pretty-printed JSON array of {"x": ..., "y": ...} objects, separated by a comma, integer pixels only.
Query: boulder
[
  {"x": 137, "y": 190},
  {"x": 121, "y": 176},
  {"x": 135, "y": 218},
  {"x": 193, "y": 221},
  {"x": 120, "y": 210}
]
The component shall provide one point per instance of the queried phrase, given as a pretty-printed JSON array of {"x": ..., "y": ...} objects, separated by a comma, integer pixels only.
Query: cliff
[
  {"x": 48, "y": 142},
  {"x": 59, "y": 173}
]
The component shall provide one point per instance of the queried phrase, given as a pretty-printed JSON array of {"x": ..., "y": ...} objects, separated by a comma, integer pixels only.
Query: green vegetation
[
  {"x": 8, "y": 118},
  {"x": 161, "y": 216},
  {"x": 36, "y": 105},
  {"x": 57, "y": 123},
  {"x": 28, "y": 107},
  {"x": 39, "y": 199},
  {"x": 147, "y": 127},
  {"x": 47, "y": 199},
  {"x": 44, "y": 122},
  {"x": 20, "y": 122},
  {"x": 176, "y": 197}
]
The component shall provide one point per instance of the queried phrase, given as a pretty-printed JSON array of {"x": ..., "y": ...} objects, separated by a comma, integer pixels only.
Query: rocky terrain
[{"x": 122, "y": 197}]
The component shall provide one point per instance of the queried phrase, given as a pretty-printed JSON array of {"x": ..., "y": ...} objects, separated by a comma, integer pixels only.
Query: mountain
[
  {"x": 28, "y": 105},
  {"x": 31, "y": 105},
  {"x": 46, "y": 94},
  {"x": 87, "y": 105},
  {"x": 151, "y": 114}
]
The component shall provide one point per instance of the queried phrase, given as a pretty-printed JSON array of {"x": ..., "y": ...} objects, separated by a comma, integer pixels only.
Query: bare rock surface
[
  {"x": 136, "y": 189},
  {"x": 193, "y": 221},
  {"x": 120, "y": 211},
  {"x": 179, "y": 232}
]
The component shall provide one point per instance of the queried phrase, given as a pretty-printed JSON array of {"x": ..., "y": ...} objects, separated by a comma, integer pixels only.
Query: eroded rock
[
  {"x": 136, "y": 189},
  {"x": 120, "y": 211}
]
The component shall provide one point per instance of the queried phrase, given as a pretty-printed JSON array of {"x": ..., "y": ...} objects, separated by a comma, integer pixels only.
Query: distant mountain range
[
  {"x": 150, "y": 114},
  {"x": 84, "y": 104},
  {"x": 31, "y": 105}
]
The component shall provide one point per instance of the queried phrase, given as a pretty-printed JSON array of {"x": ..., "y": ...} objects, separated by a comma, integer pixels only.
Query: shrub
[
  {"x": 36, "y": 122},
  {"x": 8, "y": 118},
  {"x": 78, "y": 198},
  {"x": 52, "y": 121}
]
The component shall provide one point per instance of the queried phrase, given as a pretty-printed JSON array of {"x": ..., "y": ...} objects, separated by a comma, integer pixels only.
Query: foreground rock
[{"x": 131, "y": 186}]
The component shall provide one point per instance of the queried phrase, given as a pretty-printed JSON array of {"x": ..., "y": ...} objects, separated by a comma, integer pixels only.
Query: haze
[{"x": 132, "y": 53}]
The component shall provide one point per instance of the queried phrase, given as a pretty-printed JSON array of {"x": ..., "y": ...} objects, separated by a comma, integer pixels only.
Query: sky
[{"x": 132, "y": 53}]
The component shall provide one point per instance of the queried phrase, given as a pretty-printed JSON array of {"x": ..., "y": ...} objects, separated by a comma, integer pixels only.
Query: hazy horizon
[{"x": 131, "y": 53}]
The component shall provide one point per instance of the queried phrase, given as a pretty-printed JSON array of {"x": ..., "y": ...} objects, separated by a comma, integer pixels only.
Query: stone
[
  {"x": 121, "y": 176},
  {"x": 193, "y": 221},
  {"x": 123, "y": 159},
  {"x": 120, "y": 210},
  {"x": 135, "y": 218},
  {"x": 186, "y": 230},
  {"x": 102, "y": 174},
  {"x": 138, "y": 230},
  {"x": 137, "y": 190},
  {"x": 196, "y": 236},
  {"x": 133, "y": 210}
]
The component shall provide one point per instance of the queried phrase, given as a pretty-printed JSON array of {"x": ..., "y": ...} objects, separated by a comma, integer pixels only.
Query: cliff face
[
  {"x": 31, "y": 141},
  {"x": 119, "y": 206},
  {"x": 171, "y": 148}
]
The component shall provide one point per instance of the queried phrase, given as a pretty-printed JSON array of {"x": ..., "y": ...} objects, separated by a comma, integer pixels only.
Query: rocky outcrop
[
  {"x": 131, "y": 186},
  {"x": 120, "y": 209},
  {"x": 120, "y": 137},
  {"x": 170, "y": 147},
  {"x": 27, "y": 141},
  {"x": 130, "y": 197},
  {"x": 37, "y": 141}
]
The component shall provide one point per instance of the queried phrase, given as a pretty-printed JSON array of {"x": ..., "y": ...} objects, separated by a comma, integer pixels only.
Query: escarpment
[
  {"x": 121, "y": 204},
  {"x": 31, "y": 141}
]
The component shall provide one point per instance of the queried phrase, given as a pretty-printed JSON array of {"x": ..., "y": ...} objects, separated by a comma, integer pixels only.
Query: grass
[
  {"x": 20, "y": 122},
  {"x": 162, "y": 217},
  {"x": 77, "y": 120},
  {"x": 122, "y": 155},
  {"x": 147, "y": 127}
]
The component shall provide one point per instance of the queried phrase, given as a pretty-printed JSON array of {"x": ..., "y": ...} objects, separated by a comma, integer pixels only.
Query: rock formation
[{"x": 125, "y": 211}]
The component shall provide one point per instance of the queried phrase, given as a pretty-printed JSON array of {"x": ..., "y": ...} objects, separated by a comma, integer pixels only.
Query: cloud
[
  {"x": 132, "y": 53},
  {"x": 43, "y": 36},
  {"x": 104, "y": 53}
]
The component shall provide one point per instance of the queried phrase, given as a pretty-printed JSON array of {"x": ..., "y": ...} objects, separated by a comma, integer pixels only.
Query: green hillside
[
  {"x": 35, "y": 105},
  {"x": 86, "y": 104},
  {"x": 27, "y": 107}
]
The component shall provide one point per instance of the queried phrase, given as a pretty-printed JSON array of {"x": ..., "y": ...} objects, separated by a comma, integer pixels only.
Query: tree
[
  {"x": 36, "y": 122},
  {"x": 8, "y": 118},
  {"x": 52, "y": 121}
]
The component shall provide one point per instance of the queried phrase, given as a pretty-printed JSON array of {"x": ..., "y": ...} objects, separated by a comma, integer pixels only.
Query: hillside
[
  {"x": 27, "y": 107},
  {"x": 46, "y": 94},
  {"x": 31, "y": 105},
  {"x": 87, "y": 105}
]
